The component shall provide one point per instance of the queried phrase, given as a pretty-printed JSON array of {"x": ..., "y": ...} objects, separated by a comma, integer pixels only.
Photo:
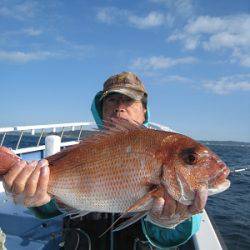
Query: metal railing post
[
  {"x": 79, "y": 136},
  {"x": 19, "y": 140},
  {"x": 62, "y": 133},
  {"x": 40, "y": 138},
  {"x": 3, "y": 139}
]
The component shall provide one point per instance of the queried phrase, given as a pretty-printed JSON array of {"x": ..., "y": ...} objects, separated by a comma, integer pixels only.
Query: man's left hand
[{"x": 167, "y": 212}]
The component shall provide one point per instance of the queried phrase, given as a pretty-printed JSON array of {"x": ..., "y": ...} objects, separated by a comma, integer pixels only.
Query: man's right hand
[{"x": 28, "y": 183}]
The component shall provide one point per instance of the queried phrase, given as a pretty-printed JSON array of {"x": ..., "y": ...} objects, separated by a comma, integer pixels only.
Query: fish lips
[
  {"x": 219, "y": 188},
  {"x": 219, "y": 183}
]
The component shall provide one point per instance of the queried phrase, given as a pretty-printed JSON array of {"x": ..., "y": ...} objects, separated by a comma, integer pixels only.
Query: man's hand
[
  {"x": 168, "y": 213},
  {"x": 28, "y": 183}
]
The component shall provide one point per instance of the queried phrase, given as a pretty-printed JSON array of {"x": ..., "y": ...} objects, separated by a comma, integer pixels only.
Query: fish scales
[{"x": 112, "y": 176}]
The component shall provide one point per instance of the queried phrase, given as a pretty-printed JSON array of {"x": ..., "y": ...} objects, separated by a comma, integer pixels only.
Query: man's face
[{"x": 121, "y": 106}]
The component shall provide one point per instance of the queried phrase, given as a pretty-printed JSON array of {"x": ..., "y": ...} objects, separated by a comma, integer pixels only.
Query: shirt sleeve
[
  {"x": 162, "y": 238},
  {"x": 46, "y": 211}
]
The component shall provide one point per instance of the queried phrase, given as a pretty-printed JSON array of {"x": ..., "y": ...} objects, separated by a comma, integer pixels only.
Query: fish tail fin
[
  {"x": 156, "y": 192},
  {"x": 7, "y": 159}
]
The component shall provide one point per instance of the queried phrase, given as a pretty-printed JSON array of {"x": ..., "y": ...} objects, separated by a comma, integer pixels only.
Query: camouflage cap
[{"x": 126, "y": 83}]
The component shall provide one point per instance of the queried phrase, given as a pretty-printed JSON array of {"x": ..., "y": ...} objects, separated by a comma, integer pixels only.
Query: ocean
[{"x": 229, "y": 210}]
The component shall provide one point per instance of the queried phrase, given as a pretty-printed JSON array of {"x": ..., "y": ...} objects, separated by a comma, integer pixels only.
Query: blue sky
[{"x": 193, "y": 56}]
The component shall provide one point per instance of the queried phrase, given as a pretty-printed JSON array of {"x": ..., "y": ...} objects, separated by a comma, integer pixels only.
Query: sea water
[{"x": 231, "y": 209}]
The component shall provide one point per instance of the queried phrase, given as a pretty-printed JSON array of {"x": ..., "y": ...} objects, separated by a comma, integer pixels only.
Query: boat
[{"x": 20, "y": 229}]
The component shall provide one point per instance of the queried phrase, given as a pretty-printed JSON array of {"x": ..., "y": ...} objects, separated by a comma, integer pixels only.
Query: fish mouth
[
  {"x": 219, "y": 182},
  {"x": 219, "y": 187}
]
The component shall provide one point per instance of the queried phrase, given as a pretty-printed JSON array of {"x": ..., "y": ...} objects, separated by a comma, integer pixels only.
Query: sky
[{"x": 193, "y": 57}]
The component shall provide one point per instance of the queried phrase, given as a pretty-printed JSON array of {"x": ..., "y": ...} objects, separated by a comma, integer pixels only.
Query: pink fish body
[{"x": 114, "y": 170}]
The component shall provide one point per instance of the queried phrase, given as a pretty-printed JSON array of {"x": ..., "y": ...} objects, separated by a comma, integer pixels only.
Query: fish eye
[{"x": 189, "y": 157}]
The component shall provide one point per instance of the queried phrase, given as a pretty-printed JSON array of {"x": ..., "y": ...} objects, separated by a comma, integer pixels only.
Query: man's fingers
[
  {"x": 12, "y": 174},
  {"x": 42, "y": 185},
  {"x": 199, "y": 201},
  {"x": 169, "y": 209},
  {"x": 20, "y": 181},
  {"x": 157, "y": 207},
  {"x": 41, "y": 196},
  {"x": 182, "y": 210},
  {"x": 31, "y": 184},
  {"x": 28, "y": 182}
]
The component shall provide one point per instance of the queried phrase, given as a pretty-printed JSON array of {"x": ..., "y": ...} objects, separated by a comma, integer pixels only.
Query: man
[{"x": 123, "y": 96}]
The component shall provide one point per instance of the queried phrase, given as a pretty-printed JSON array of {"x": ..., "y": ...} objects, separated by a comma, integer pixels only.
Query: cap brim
[{"x": 133, "y": 94}]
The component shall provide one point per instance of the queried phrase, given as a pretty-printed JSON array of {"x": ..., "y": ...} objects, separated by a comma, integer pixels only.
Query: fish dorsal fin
[
  {"x": 120, "y": 124},
  {"x": 156, "y": 192},
  {"x": 112, "y": 127}
]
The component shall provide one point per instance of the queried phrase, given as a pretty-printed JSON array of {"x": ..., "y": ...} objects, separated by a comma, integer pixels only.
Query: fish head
[{"x": 189, "y": 166}]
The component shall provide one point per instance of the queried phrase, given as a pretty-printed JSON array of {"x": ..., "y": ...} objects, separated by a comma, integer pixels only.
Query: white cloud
[
  {"x": 226, "y": 85},
  {"x": 152, "y": 19},
  {"x": 108, "y": 14},
  {"x": 184, "y": 8},
  {"x": 20, "y": 11},
  {"x": 175, "y": 10},
  {"x": 242, "y": 56},
  {"x": 217, "y": 34},
  {"x": 32, "y": 32},
  {"x": 174, "y": 79},
  {"x": 160, "y": 62},
  {"x": 24, "y": 57},
  {"x": 205, "y": 24},
  {"x": 27, "y": 31},
  {"x": 73, "y": 49}
]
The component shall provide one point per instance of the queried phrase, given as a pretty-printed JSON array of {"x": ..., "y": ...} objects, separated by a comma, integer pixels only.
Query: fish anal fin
[
  {"x": 67, "y": 210},
  {"x": 130, "y": 221}
]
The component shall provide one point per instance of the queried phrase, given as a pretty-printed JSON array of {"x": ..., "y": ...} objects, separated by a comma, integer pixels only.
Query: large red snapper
[{"x": 124, "y": 169}]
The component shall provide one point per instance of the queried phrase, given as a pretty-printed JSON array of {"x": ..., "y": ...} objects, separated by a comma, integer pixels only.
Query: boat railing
[{"x": 41, "y": 131}]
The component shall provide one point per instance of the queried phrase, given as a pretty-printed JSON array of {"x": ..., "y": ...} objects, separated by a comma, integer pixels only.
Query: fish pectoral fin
[
  {"x": 130, "y": 221},
  {"x": 156, "y": 192},
  {"x": 78, "y": 214}
]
